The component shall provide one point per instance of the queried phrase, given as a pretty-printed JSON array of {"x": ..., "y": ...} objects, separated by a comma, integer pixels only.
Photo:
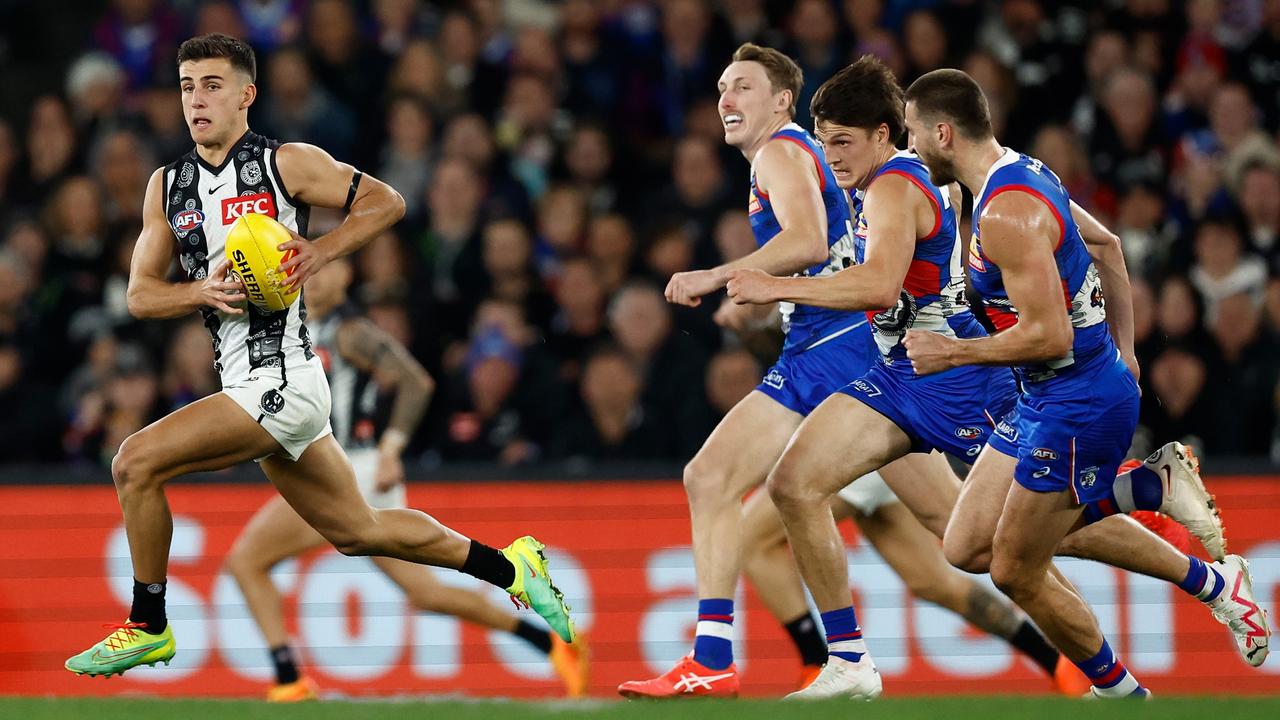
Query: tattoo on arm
[
  {"x": 992, "y": 612},
  {"x": 369, "y": 348}
]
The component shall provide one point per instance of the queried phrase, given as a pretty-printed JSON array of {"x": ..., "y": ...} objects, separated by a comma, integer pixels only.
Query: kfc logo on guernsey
[{"x": 261, "y": 203}]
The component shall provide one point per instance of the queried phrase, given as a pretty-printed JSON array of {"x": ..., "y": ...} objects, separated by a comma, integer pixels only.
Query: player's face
[
  {"x": 851, "y": 152},
  {"x": 748, "y": 106},
  {"x": 923, "y": 138},
  {"x": 213, "y": 96}
]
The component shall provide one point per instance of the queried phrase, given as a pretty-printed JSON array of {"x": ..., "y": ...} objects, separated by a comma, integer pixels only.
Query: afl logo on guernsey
[
  {"x": 186, "y": 221},
  {"x": 261, "y": 203}
]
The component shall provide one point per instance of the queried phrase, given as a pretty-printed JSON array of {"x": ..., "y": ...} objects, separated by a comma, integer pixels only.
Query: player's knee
[
  {"x": 1013, "y": 577},
  {"x": 965, "y": 554},
  {"x": 242, "y": 564},
  {"x": 131, "y": 468},
  {"x": 786, "y": 486},
  {"x": 704, "y": 482}
]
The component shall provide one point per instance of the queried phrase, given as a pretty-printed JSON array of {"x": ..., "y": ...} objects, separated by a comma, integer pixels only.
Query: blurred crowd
[{"x": 561, "y": 159}]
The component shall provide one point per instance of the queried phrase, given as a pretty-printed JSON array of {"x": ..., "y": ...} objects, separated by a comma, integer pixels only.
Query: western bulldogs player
[
  {"x": 360, "y": 360},
  {"x": 274, "y": 405},
  {"x": 801, "y": 221},
  {"x": 858, "y": 114},
  {"x": 1041, "y": 276}
]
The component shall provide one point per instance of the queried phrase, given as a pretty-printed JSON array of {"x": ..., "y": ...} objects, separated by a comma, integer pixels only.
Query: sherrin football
[{"x": 251, "y": 248}]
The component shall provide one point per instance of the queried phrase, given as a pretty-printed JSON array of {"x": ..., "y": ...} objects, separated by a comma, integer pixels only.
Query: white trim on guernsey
[
  {"x": 838, "y": 333},
  {"x": 1008, "y": 158}
]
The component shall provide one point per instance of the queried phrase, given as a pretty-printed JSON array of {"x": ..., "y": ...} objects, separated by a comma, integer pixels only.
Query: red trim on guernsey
[
  {"x": 923, "y": 278},
  {"x": 937, "y": 209},
  {"x": 817, "y": 161},
  {"x": 856, "y": 635},
  {"x": 716, "y": 618},
  {"x": 1107, "y": 507},
  {"x": 1062, "y": 226},
  {"x": 1002, "y": 319}
]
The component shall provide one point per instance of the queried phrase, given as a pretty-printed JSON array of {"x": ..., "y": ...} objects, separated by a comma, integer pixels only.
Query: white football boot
[
  {"x": 1185, "y": 498},
  {"x": 841, "y": 678},
  {"x": 1236, "y": 608}
]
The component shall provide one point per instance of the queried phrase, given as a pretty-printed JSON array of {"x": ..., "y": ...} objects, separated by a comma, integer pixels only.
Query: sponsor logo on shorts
[
  {"x": 775, "y": 379},
  {"x": 865, "y": 387},
  {"x": 973, "y": 450},
  {"x": 1006, "y": 430},
  {"x": 1089, "y": 476},
  {"x": 272, "y": 402},
  {"x": 1041, "y": 472},
  {"x": 1044, "y": 454},
  {"x": 968, "y": 433}
]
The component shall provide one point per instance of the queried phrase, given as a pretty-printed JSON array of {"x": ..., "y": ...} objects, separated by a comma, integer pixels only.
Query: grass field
[{"x": 1169, "y": 708}]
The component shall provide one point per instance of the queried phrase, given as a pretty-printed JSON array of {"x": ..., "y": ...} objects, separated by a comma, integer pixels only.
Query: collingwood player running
[
  {"x": 274, "y": 404},
  {"x": 361, "y": 360}
]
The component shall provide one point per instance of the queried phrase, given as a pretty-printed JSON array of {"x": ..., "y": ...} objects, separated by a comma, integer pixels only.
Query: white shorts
[
  {"x": 868, "y": 494},
  {"x": 295, "y": 415},
  {"x": 365, "y": 462}
]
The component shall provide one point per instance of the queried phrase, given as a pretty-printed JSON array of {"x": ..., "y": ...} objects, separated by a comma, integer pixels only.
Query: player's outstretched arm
[
  {"x": 1018, "y": 235},
  {"x": 1104, "y": 248},
  {"x": 890, "y": 207},
  {"x": 312, "y": 176},
  {"x": 150, "y": 294},
  {"x": 369, "y": 348},
  {"x": 789, "y": 176}
]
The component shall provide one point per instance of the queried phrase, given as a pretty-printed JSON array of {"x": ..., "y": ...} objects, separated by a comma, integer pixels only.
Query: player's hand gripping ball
[{"x": 251, "y": 248}]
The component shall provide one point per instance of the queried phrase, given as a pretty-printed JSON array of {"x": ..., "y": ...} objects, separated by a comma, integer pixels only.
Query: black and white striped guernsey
[{"x": 201, "y": 204}]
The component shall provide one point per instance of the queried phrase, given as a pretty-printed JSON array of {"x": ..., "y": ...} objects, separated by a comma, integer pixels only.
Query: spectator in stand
[
  {"x": 1124, "y": 148},
  {"x": 697, "y": 195},
  {"x": 301, "y": 110},
  {"x": 578, "y": 325},
  {"x": 406, "y": 157},
  {"x": 816, "y": 47},
  {"x": 1146, "y": 235},
  {"x": 1223, "y": 268},
  {"x": 1241, "y": 378},
  {"x": 589, "y": 166},
  {"x": 1258, "y": 194},
  {"x": 611, "y": 245},
  {"x": 610, "y": 422},
  {"x": 509, "y": 271},
  {"x": 142, "y": 35},
  {"x": 52, "y": 153},
  {"x": 122, "y": 164},
  {"x": 562, "y": 218},
  {"x": 924, "y": 43},
  {"x": 672, "y": 363},
  {"x": 1259, "y": 65},
  {"x": 30, "y": 426},
  {"x": 731, "y": 375}
]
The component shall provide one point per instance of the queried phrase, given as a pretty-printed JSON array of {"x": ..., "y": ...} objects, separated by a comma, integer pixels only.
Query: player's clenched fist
[
  {"x": 687, "y": 288},
  {"x": 750, "y": 286},
  {"x": 929, "y": 352}
]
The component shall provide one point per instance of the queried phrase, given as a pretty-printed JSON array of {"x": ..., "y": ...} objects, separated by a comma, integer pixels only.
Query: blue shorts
[
  {"x": 1072, "y": 434},
  {"x": 800, "y": 381},
  {"x": 953, "y": 411}
]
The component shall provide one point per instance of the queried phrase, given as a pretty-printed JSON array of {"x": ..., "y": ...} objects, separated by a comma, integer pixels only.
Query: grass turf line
[{"x": 951, "y": 708}]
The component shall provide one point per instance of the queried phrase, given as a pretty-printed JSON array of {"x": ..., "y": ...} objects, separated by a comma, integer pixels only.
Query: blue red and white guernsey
[
  {"x": 1075, "y": 418},
  {"x": 933, "y": 295},
  {"x": 953, "y": 411},
  {"x": 807, "y": 326},
  {"x": 1081, "y": 287}
]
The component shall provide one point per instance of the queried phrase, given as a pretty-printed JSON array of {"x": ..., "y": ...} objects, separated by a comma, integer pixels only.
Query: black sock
[
  {"x": 489, "y": 565},
  {"x": 1034, "y": 645},
  {"x": 286, "y": 667},
  {"x": 534, "y": 635},
  {"x": 148, "y": 607},
  {"x": 809, "y": 640}
]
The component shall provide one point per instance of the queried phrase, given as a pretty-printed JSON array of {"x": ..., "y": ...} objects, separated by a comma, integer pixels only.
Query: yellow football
[{"x": 251, "y": 248}]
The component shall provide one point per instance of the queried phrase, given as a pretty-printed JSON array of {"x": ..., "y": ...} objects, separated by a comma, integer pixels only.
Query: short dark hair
[
  {"x": 863, "y": 95},
  {"x": 782, "y": 71},
  {"x": 957, "y": 97},
  {"x": 217, "y": 45}
]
